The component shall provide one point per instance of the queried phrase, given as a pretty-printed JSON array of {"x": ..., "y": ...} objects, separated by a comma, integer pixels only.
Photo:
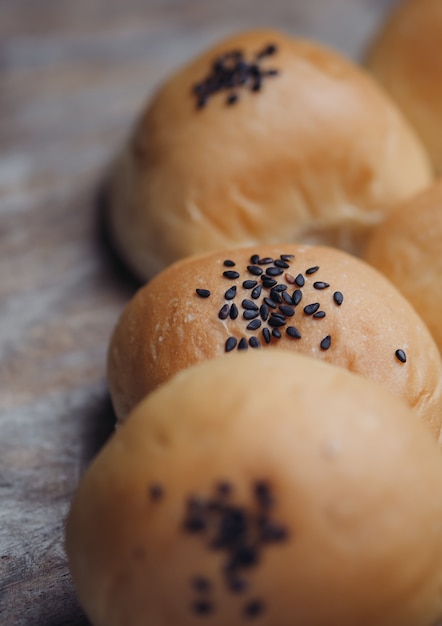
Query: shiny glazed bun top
[
  {"x": 406, "y": 59},
  {"x": 261, "y": 139},
  {"x": 268, "y": 489},
  {"x": 315, "y": 300}
]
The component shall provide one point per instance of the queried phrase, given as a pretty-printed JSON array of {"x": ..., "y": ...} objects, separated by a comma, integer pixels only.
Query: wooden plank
[{"x": 72, "y": 77}]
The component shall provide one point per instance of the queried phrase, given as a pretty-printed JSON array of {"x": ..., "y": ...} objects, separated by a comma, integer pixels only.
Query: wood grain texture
[{"x": 73, "y": 76}]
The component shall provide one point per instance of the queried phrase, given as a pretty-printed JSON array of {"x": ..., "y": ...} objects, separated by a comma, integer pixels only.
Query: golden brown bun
[
  {"x": 167, "y": 326},
  {"x": 407, "y": 248},
  {"x": 405, "y": 58},
  {"x": 346, "y": 483},
  {"x": 318, "y": 155}
]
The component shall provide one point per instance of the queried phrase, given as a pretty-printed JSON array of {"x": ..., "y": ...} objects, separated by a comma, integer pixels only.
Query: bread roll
[
  {"x": 309, "y": 149},
  {"x": 406, "y": 59},
  {"x": 344, "y": 311},
  {"x": 407, "y": 248},
  {"x": 267, "y": 488}
]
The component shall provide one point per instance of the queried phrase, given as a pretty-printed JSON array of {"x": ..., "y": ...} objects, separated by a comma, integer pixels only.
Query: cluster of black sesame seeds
[
  {"x": 232, "y": 71},
  {"x": 240, "y": 533},
  {"x": 275, "y": 295}
]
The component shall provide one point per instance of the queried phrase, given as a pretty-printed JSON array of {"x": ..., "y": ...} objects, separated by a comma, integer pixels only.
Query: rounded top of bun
[
  {"x": 267, "y": 486},
  {"x": 405, "y": 59},
  {"x": 407, "y": 248},
  {"x": 167, "y": 326},
  {"x": 317, "y": 154}
]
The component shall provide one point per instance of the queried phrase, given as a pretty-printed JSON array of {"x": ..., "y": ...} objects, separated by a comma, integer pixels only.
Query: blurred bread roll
[
  {"x": 316, "y": 300},
  {"x": 405, "y": 58},
  {"x": 407, "y": 248},
  {"x": 304, "y": 146},
  {"x": 267, "y": 488}
]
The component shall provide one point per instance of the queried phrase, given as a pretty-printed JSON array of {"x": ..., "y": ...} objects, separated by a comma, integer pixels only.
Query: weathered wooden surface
[{"x": 72, "y": 77}]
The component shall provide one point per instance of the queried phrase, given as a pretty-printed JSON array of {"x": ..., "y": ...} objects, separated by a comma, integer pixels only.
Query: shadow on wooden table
[{"x": 116, "y": 265}]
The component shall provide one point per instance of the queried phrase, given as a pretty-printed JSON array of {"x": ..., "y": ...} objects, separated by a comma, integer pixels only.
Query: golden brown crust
[
  {"x": 407, "y": 248},
  {"x": 168, "y": 327},
  {"x": 355, "y": 480},
  {"x": 405, "y": 59},
  {"x": 318, "y": 155}
]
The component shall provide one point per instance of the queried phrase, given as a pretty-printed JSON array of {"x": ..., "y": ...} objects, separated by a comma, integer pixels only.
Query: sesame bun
[
  {"x": 268, "y": 488},
  {"x": 348, "y": 314},
  {"x": 405, "y": 58},
  {"x": 407, "y": 248},
  {"x": 309, "y": 148}
]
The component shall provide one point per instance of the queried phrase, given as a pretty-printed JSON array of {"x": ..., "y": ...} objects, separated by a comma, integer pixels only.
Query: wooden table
[{"x": 73, "y": 76}]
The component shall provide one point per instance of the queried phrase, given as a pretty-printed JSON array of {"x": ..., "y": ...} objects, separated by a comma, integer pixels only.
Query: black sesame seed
[
  {"x": 299, "y": 280},
  {"x": 274, "y": 271},
  {"x": 256, "y": 292},
  {"x": 233, "y": 313},
  {"x": 203, "y": 293},
  {"x": 254, "y": 259},
  {"x": 264, "y": 312},
  {"x": 156, "y": 492},
  {"x": 311, "y": 308},
  {"x": 231, "y": 274},
  {"x": 246, "y": 556},
  {"x": 274, "y": 295},
  {"x": 229, "y": 263},
  {"x": 232, "y": 98},
  {"x": 231, "y": 344},
  {"x": 289, "y": 311},
  {"x": 266, "y": 335},
  {"x": 195, "y": 524},
  {"x": 326, "y": 343},
  {"x": 276, "y": 333},
  {"x": 201, "y": 584},
  {"x": 280, "y": 288},
  {"x": 268, "y": 282},
  {"x": 319, "y": 284},
  {"x": 271, "y": 532},
  {"x": 237, "y": 585},
  {"x": 282, "y": 264},
  {"x": 292, "y": 331},
  {"x": 202, "y": 607},
  {"x": 243, "y": 344},
  {"x": 254, "y": 325},
  {"x": 254, "y": 608},
  {"x": 224, "y": 488},
  {"x": 312, "y": 270},
  {"x": 401, "y": 356},
  {"x": 287, "y": 257},
  {"x": 263, "y": 494},
  {"x": 224, "y": 312},
  {"x": 248, "y": 304},
  {"x": 270, "y": 303},
  {"x": 255, "y": 270},
  {"x": 319, "y": 315},
  {"x": 286, "y": 297},
  {"x": 250, "y": 315},
  {"x": 278, "y": 315},
  {"x": 265, "y": 261},
  {"x": 249, "y": 284},
  {"x": 276, "y": 322},
  {"x": 254, "y": 69},
  {"x": 296, "y": 297},
  {"x": 254, "y": 341},
  {"x": 338, "y": 297},
  {"x": 230, "y": 293}
]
